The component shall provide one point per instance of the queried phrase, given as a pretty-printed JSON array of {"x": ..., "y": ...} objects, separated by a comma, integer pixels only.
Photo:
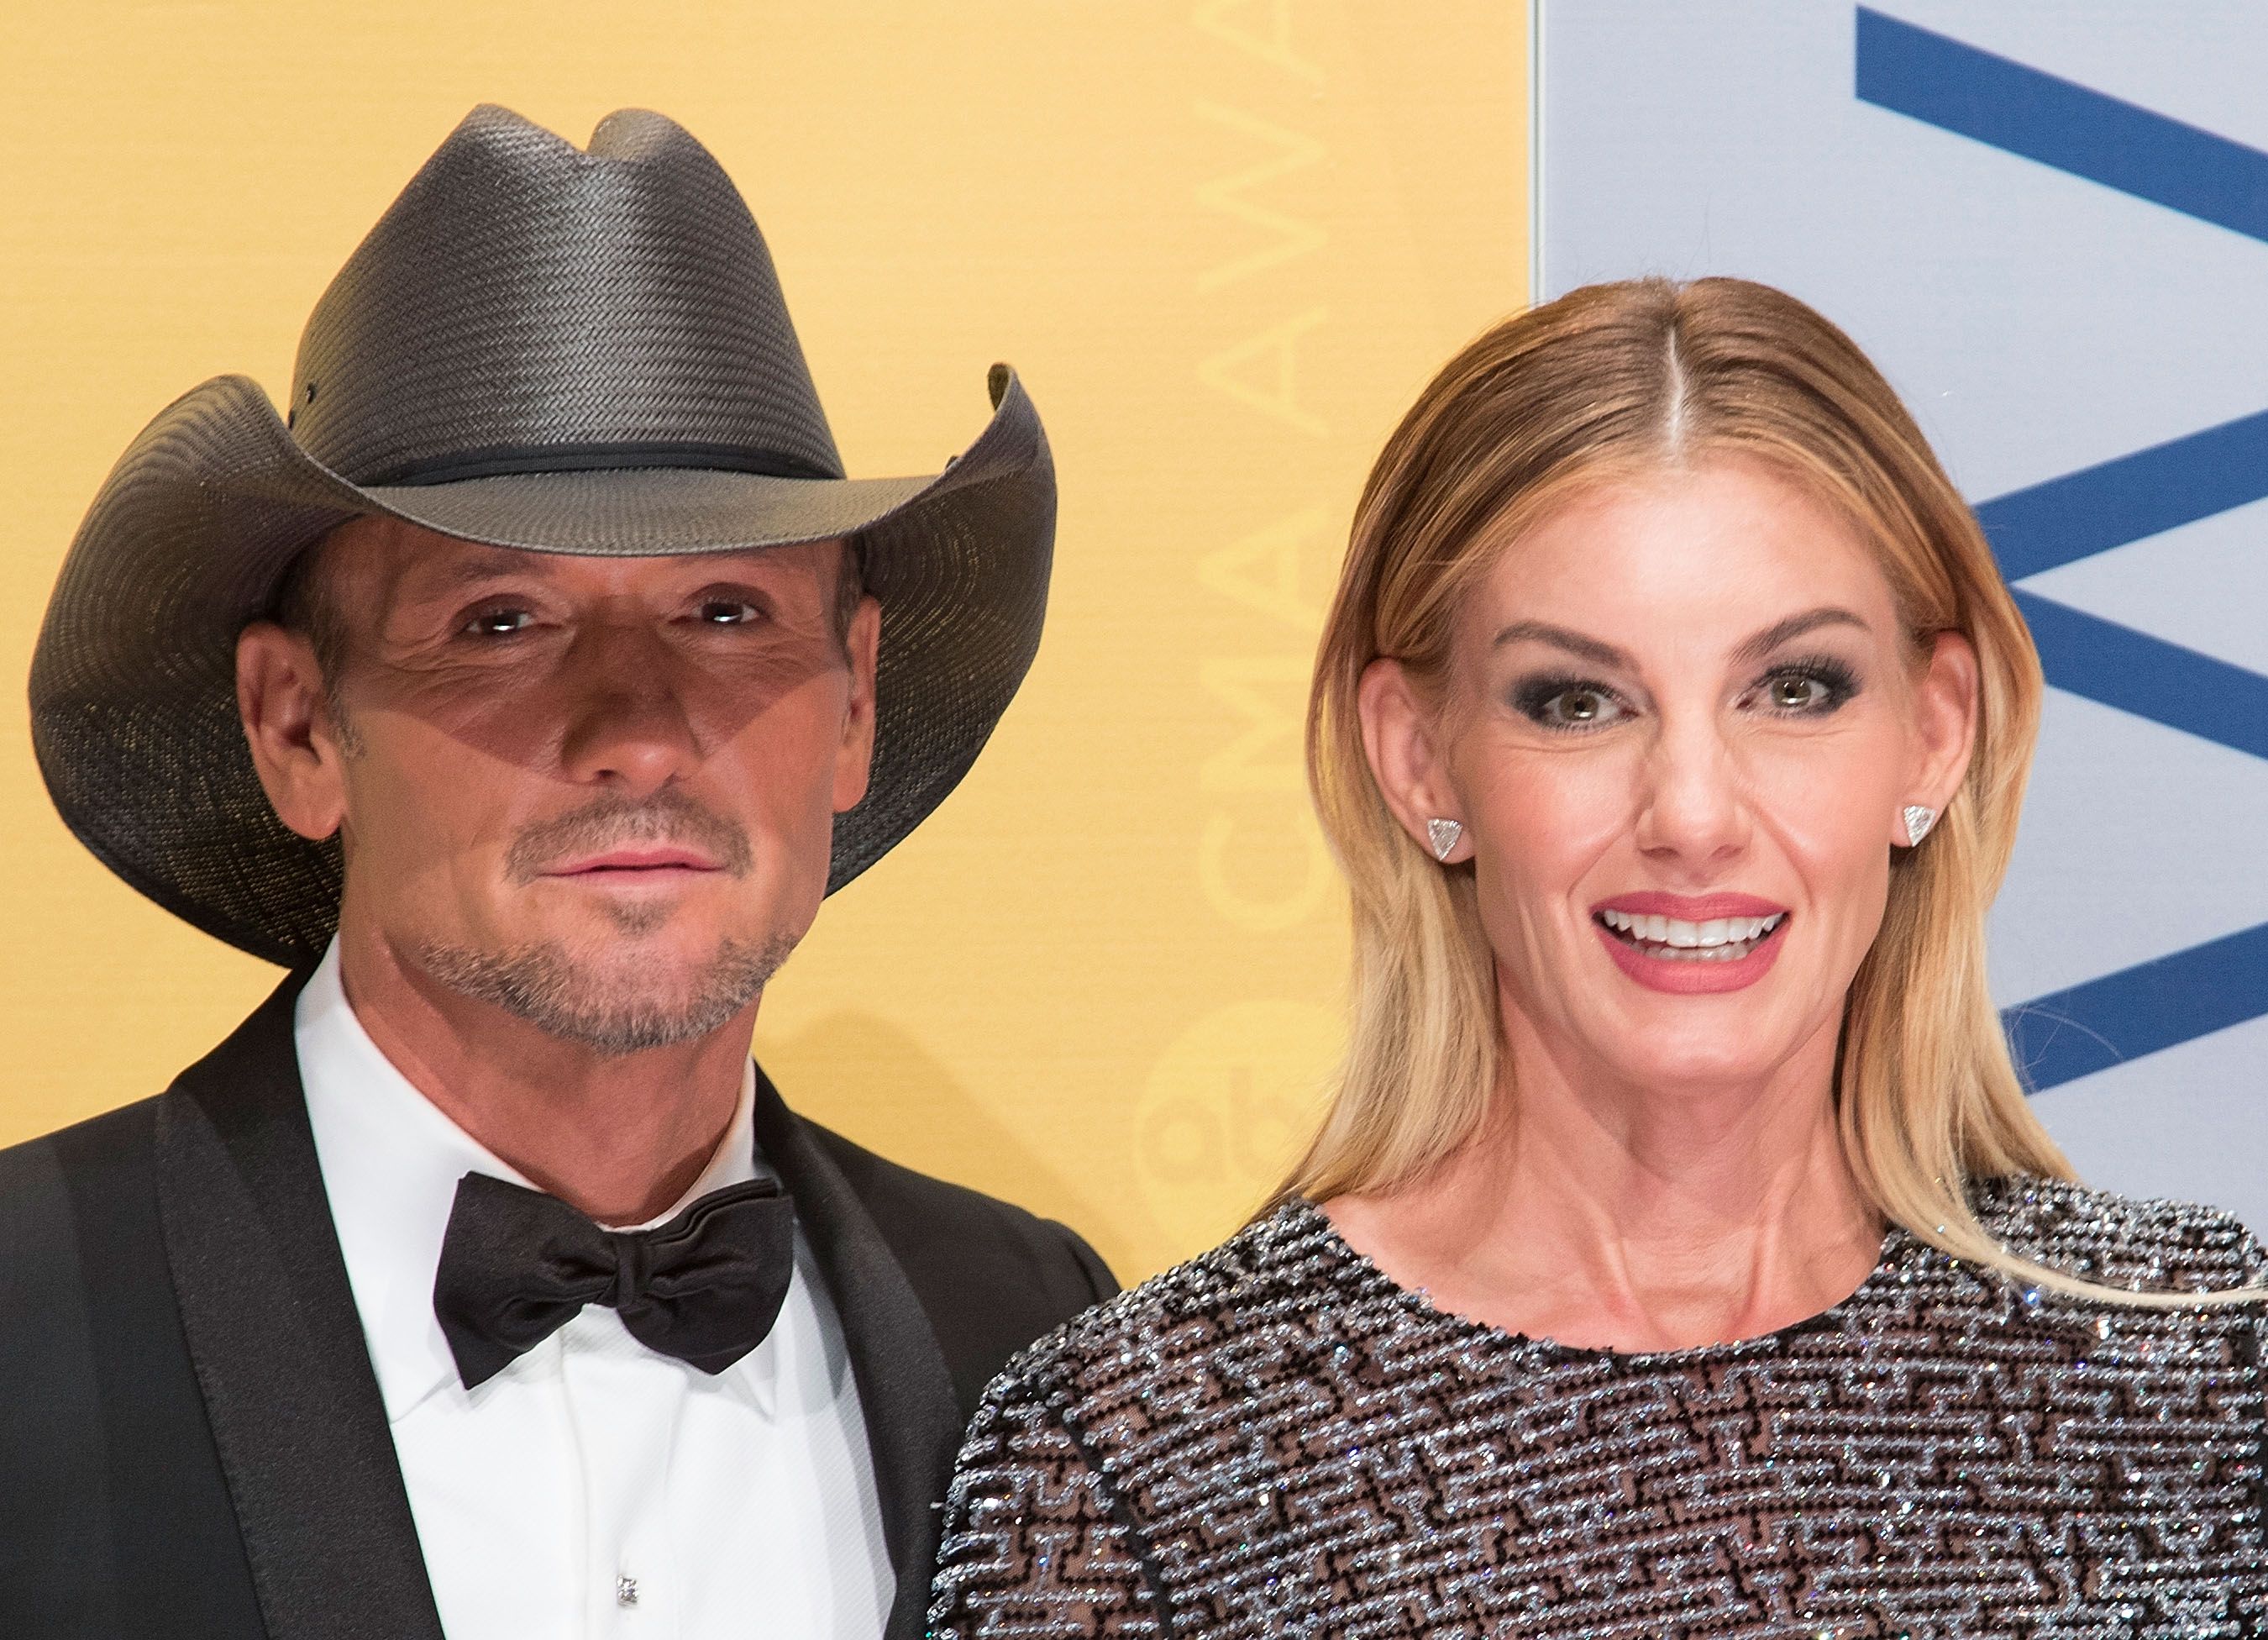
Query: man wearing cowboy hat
[{"x": 524, "y": 693}]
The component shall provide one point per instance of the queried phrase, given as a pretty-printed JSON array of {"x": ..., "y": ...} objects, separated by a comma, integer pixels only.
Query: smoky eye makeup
[
  {"x": 1805, "y": 685},
  {"x": 1567, "y": 700}
]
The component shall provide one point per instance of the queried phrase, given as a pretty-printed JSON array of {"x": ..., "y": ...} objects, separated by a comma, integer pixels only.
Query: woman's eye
[
  {"x": 1571, "y": 706},
  {"x": 1809, "y": 693},
  {"x": 499, "y": 622}
]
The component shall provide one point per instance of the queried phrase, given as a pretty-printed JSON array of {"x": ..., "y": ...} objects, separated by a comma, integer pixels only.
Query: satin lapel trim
[
  {"x": 279, "y": 1348},
  {"x": 913, "y": 1423}
]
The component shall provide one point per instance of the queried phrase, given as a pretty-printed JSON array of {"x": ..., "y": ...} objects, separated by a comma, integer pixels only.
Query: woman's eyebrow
[
  {"x": 1772, "y": 637},
  {"x": 1605, "y": 653},
  {"x": 1560, "y": 638}
]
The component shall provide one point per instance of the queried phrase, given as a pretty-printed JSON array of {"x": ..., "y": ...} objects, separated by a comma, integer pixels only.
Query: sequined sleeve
[{"x": 1034, "y": 1546}]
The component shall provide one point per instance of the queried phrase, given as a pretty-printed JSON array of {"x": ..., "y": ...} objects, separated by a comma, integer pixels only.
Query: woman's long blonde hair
[{"x": 1629, "y": 376}]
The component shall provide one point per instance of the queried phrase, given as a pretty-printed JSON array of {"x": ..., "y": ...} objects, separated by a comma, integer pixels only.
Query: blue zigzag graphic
[
  {"x": 2149, "y": 677},
  {"x": 2019, "y": 110}
]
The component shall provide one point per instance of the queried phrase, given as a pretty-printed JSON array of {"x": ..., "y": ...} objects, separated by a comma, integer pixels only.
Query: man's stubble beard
[
  {"x": 585, "y": 1003},
  {"x": 541, "y": 984}
]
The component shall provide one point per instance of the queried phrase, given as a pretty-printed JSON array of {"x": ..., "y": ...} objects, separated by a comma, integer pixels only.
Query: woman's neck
[{"x": 1607, "y": 1216}]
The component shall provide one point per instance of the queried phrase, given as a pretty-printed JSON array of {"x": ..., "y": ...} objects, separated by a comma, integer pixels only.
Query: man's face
[{"x": 597, "y": 792}]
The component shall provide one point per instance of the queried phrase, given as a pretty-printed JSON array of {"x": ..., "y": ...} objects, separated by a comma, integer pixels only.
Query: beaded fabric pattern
[{"x": 1276, "y": 1439}]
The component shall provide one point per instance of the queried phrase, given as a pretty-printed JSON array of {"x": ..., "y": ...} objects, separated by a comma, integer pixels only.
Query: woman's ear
[
  {"x": 1945, "y": 721},
  {"x": 1401, "y": 737},
  {"x": 296, "y": 746}
]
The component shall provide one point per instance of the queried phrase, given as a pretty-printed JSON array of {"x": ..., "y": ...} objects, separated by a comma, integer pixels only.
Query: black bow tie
[{"x": 517, "y": 1266}]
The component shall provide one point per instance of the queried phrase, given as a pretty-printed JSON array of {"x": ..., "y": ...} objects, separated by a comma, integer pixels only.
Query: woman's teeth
[{"x": 1720, "y": 939}]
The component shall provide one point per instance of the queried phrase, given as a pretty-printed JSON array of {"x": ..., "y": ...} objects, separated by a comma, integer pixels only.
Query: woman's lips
[{"x": 1689, "y": 943}]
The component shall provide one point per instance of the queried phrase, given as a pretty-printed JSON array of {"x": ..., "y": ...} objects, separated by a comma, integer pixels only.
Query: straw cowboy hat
[{"x": 562, "y": 351}]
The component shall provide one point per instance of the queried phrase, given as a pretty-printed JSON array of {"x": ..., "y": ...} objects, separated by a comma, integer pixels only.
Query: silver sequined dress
[{"x": 1276, "y": 1439}]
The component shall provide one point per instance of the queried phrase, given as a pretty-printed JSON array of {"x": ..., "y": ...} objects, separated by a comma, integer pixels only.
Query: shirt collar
[{"x": 391, "y": 1159}]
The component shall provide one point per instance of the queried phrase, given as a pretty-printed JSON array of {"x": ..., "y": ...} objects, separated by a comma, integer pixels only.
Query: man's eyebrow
[
  {"x": 1795, "y": 626},
  {"x": 469, "y": 568},
  {"x": 1575, "y": 643}
]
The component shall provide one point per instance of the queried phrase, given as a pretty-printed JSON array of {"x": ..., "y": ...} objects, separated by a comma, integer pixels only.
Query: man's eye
[
  {"x": 499, "y": 622},
  {"x": 728, "y": 612},
  {"x": 1563, "y": 705}
]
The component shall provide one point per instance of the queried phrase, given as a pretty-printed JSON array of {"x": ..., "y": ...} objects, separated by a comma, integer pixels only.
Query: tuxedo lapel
[
  {"x": 913, "y": 1423},
  {"x": 279, "y": 1348}
]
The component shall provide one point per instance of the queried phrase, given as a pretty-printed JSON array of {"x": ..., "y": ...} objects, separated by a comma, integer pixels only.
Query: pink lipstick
[{"x": 1691, "y": 944}]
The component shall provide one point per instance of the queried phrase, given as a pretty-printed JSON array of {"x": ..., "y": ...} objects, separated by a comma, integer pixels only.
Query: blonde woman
[{"x": 1679, "y": 1256}]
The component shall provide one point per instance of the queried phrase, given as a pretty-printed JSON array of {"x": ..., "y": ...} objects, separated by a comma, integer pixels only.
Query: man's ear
[
  {"x": 1401, "y": 737},
  {"x": 288, "y": 723},
  {"x": 1945, "y": 717},
  {"x": 854, "y": 759}
]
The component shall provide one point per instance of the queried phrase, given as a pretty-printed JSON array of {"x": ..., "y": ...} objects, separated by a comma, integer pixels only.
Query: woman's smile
[{"x": 1687, "y": 943}]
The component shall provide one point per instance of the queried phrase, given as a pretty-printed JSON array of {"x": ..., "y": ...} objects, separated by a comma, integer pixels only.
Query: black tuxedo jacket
[{"x": 192, "y": 1444}]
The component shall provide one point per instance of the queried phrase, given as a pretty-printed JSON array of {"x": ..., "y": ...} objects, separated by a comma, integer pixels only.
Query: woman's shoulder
[
  {"x": 2133, "y": 1242},
  {"x": 1253, "y": 1297}
]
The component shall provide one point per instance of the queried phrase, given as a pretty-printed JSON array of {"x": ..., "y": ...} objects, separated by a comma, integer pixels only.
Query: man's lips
[{"x": 633, "y": 861}]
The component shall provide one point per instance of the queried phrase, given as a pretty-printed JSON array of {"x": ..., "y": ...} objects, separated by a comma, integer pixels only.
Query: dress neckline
[{"x": 1891, "y": 1267}]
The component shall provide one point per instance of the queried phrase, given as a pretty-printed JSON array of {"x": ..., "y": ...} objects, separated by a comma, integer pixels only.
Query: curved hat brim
[{"x": 134, "y": 719}]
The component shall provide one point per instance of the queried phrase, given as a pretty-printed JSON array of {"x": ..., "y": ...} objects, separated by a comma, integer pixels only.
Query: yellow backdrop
[{"x": 1226, "y": 242}]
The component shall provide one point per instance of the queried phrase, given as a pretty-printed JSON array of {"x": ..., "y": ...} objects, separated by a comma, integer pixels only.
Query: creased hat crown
[{"x": 524, "y": 307}]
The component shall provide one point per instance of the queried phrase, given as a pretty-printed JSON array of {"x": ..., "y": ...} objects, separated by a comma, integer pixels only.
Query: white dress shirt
[{"x": 593, "y": 1488}]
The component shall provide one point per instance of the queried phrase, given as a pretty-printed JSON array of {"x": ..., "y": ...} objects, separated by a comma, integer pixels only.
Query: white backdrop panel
[{"x": 2048, "y": 221}]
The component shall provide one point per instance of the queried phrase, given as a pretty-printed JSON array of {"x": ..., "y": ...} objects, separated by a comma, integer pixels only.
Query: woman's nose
[{"x": 1690, "y": 804}]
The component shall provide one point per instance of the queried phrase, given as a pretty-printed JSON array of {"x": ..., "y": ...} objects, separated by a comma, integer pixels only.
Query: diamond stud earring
[
  {"x": 1443, "y": 834},
  {"x": 1918, "y": 821}
]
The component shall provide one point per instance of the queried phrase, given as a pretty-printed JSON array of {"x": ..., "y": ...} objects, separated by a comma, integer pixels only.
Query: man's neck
[{"x": 619, "y": 1136}]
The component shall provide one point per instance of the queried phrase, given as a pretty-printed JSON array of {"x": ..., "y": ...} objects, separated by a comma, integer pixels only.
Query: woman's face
[{"x": 1681, "y": 725}]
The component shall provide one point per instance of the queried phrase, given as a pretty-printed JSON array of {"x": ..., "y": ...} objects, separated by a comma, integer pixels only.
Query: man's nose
[
  {"x": 1692, "y": 807},
  {"x": 627, "y": 725}
]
